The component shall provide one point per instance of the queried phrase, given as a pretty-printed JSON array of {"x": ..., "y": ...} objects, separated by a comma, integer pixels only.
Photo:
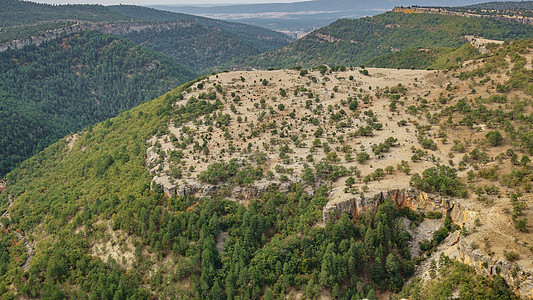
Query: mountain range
[{"x": 354, "y": 42}]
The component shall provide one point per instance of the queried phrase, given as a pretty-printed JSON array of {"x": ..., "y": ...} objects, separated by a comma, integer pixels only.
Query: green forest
[
  {"x": 354, "y": 42},
  {"x": 65, "y": 85},
  {"x": 200, "y": 43},
  {"x": 434, "y": 58},
  {"x": 196, "y": 42},
  {"x": 200, "y": 48},
  {"x": 259, "y": 37},
  {"x": 521, "y": 8},
  {"x": 16, "y": 12}
]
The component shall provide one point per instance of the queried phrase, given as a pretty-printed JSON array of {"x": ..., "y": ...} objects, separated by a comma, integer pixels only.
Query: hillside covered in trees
[
  {"x": 354, "y": 42},
  {"x": 272, "y": 150},
  {"x": 65, "y": 85},
  {"x": 197, "y": 42},
  {"x": 200, "y": 43},
  {"x": 433, "y": 58},
  {"x": 16, "y": 12}
]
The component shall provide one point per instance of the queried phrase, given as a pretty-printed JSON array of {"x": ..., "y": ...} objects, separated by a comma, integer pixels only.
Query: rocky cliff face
[
  {"x": 411, "y": 198},
  {"x": 125, "y": 28},
  {"x": 118, "y": 29},
  {"x": 508, "y": 16},
  {"x": 42, "y": 38},
  {"x": 232, "y": 192},
  {"x": 520, "y": 280}
]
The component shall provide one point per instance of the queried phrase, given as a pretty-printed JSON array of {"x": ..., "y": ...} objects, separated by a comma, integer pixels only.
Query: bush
[
  {"x": 350, "y": 181},
  {"x": 434, "y": 215},
  {"x": 511, "y": 255},
  {"x": 353, "y": 105},
  {"x": 362, "y": 157},
  {"x": 521, "y": 225},
  {"x": 494, "y": 138},
  {"x": 440, "y": 235}
]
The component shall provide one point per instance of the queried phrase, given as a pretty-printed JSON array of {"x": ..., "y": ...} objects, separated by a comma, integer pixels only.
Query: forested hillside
[
  {"x": 200, "y": 43},
  {"x": 420, "y": 58},
  {"x": 261, "y": 38},
  {"x": 65, "y": 85},
  {"x": 524, "y": 7},
  {"x": 354, "y": 42},
  {"x": 201, "y": 48},
  {"x": 16, "y": 12}
]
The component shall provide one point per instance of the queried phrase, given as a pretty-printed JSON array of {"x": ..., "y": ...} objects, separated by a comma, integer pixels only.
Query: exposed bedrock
[
  {"x": 521, "y": 281},
  {"x": 198, "y": 189},
  {"x": 408, "y": 197}
]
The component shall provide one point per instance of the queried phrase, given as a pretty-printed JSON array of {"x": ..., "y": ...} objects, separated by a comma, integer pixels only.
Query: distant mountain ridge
[
  {"x": 211, "y": 42},
  {"x": 353, "y": 42},
  {"x": 299, "y": 16},
  {"x": 200, "y": 43},
  {"x": 515, "y": 5},
  {"x": 520, "y": 16}
]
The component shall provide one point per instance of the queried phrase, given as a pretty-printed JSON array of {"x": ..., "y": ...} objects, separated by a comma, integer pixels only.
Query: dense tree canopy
[
  {"x": 65, "y": 85},
  {"x": 353, "y": 42}
]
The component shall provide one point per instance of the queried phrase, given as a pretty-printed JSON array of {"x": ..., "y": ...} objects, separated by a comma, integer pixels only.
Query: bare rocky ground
[{"x": 283, "y": 121}]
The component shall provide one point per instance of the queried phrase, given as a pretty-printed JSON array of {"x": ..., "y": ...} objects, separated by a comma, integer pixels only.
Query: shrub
[
  {"x": 494, "y": 138},
  {"x": 353, "y": 105},
  {"x": 350, "y": 181},
  {"x": 362, "y": 157}
]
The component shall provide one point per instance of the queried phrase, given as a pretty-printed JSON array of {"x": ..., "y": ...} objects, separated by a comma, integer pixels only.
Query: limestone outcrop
[
  {"x": 518, "y": 279},
  {"x": 41, "y": 38},
  {"x": 118, "y": 29},
  {"x": 198, "y": 189},
  {"x": 412, "y": 198}
]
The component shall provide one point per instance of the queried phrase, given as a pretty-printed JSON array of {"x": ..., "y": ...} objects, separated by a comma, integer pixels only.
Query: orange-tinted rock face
[{"x": 411, "y": 198}]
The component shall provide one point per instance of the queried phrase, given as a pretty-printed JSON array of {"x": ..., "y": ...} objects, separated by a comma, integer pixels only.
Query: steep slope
[
  {"x": 524, "y": 8},
  {"x": 261, "y": 38},
  {"x": 503, "y": 5},
  {"x": 200, "y": 43},
  {"x": 353, "y": 42},
  {"x": 290, "y": 183},
  {"x": 197, "y": 42},
  {"x": 65, "y": 85}
]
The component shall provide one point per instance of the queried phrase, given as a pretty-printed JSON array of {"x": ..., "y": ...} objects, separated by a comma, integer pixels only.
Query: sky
[{"x": 156, "y": 2}]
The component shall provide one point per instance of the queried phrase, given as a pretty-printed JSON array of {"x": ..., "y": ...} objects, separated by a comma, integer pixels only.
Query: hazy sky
[{"x": 155, "y": 2}]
